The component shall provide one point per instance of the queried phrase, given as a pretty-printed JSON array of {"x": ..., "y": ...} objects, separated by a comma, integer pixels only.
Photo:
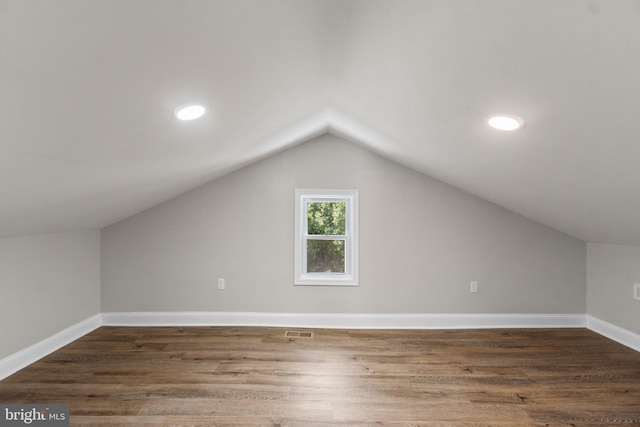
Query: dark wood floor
[{"x": 212, "y": 376}]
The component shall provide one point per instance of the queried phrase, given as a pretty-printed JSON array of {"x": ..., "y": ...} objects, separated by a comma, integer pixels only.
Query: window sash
[
  {"x": 310, "y": 200},
  {"x": 344, "y": 261}
]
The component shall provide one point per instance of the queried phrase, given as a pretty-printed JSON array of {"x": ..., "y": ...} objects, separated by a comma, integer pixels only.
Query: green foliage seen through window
[{"x": 328, "y": 219}]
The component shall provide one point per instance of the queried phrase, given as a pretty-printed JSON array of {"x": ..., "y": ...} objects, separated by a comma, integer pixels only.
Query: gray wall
[
  {"x": 611, "y": 272},
  {"x": 421, "y": 244},
  {"x": 47, "y": 283}
]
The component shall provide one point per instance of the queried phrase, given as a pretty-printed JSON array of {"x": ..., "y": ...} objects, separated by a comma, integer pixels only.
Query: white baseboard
[
  {"x": 13, "y": 363},
  {"x": 614, "y": 332},
  {"x": 347, "y": 321}
]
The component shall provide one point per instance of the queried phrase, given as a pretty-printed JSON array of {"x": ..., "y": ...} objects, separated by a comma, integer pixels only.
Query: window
[{"x": 326, "y": 246}]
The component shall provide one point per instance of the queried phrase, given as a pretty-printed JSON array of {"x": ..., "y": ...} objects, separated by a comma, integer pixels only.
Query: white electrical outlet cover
[{"x": 636, "y": 291}]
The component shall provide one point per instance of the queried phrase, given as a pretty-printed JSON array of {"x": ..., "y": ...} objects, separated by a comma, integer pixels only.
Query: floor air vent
[{"x": 298, "y": 334}]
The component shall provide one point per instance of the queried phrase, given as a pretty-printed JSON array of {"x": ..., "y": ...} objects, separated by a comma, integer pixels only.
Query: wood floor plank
[{"x": 230, "y": 376}]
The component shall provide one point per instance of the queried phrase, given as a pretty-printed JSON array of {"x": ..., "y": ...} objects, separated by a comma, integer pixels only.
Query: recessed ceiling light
[
  {"x": 189, "y": 112},
  {"x": 506, "y": 122}
]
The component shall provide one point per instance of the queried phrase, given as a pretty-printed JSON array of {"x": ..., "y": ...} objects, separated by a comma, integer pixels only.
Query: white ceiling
[{"x": 87, "y": 91}]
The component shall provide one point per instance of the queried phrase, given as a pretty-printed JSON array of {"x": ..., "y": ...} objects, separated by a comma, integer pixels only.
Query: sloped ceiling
[{"x": 87, "y": 91}]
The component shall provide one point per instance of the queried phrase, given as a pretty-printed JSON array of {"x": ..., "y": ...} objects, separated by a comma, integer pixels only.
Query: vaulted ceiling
[{"x": 88, "y": 88}]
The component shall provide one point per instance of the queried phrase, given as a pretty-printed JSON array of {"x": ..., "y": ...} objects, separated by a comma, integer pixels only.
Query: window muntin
[{"x": 326, "y": 237}]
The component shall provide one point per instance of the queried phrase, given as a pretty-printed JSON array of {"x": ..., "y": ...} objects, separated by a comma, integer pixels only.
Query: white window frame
[{"x": 350, "y": 275}]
